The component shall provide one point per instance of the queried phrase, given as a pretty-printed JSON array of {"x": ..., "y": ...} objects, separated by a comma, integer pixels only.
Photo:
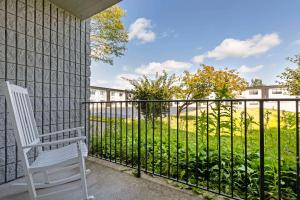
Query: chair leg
[
  {"x": 83, "y": 179},
  {"x": 46, "y": 177},
  {"x": 31, "y": 188},
  {"x": 83, "y": 176}
]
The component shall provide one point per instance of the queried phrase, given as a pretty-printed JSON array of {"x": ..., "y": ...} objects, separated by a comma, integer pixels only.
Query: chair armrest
[
  {"x": 62, "y": 131},
  {"x": 75, "y": 139}
]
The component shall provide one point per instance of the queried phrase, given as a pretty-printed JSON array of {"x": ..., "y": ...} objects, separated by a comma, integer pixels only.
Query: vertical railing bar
[
  {"x": 110, "y": 129},
  {"x": 106, "y": 131},
  {"x": 121, "y": 132},
  {"x": 101, "y": 129},
  {"x": 146, "y": 136},
  {"x": 246, "y": 156},
  {"x": 139, "y": 141},
  {"x": 97, "y": 128},
  {"x": 231, "y": 147},
  {"x": 115, "y": 132},
  {"x": 297, "y": 149},
  {"x": 92, "y": 139},
  {"x": 262, "y": 147},
  {"x": 153, "y": 132},
  {"x": 177, "y": 142},
  {"x": 207, "y": 145},
  {"x": 197, "y": 146},
  {"x": 126, "y": 133},
  {"x": 279, "y": 149},
  {"x": 219, "y": 147},
  {"x": 169, "y": 133},
  {"x": 132, "y": 135},
  {"x": 160, "y": 164},
  {"x": 187, "y": 144}
]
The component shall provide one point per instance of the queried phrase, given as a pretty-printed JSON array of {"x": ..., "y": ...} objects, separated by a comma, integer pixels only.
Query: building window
[
  {"x": 112, "y": 93},
  {"x": 277, "y": 91},
  {"x": 93, "y": 92},
  {"x": 101, "y": 93},
  {"x": 253, "y": 92},
  {"x": 120, "y": 94}
]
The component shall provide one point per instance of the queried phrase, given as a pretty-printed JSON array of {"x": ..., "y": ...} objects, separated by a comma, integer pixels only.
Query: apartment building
[
  {"x": 100, "y": 94},
  {"x": 266, "y": 92},
  {"x": 269, "y": 92}
]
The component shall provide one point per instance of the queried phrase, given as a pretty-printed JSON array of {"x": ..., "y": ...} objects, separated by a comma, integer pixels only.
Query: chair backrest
[{"x": 22, "y": 116}]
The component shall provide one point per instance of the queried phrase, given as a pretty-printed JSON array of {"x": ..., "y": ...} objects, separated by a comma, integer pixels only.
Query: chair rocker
[{"x": 72, "y": 155}]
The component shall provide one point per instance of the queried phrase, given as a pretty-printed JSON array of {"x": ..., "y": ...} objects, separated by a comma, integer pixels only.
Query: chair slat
[
  {"x": 24, "y": 119},
  {"x": 22, "y": 132},
  {"x": 28, "y": 118},
  {"x": 27, "y": 130}
]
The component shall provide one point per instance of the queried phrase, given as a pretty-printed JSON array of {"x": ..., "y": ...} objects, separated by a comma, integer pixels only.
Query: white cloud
[
  {"x": 235, "y": 48},
  {"x": 125, "y": 68},
  {"x": 297, "y": 42},
  {"x": 199, "y": 59},
  {"x": 247, "y": 70},
  {"x": 141, "y": 30},
  {"x": 117, "y": 82},
  {"x": 121, "y": 82},
  {"x": 99, "y": 83},
  {"x": 157, "y": 67}
]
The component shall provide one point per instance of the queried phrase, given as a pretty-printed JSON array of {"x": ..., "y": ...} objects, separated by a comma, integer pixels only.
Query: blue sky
[{"x": 252, "y": 36}]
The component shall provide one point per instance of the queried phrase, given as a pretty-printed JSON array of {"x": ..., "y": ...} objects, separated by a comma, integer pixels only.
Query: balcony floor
[{"x": 109, "y": 182}]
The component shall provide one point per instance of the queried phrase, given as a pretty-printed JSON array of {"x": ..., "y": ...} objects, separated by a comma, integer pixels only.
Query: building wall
[
  {"x": 248, "y": 95},
  {"x": 98, "y": 95},
  {"x": 45, "y": 49},
  {"x": 107, "y": 94},
  {"x": 284, "y": 93}
]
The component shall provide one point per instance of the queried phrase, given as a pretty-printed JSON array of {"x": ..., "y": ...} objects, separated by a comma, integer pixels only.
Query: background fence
[{"x": 243, "y": 149}]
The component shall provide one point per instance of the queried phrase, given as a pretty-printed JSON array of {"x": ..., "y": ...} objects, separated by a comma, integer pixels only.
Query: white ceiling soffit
[{"x": 84, "y": 9}]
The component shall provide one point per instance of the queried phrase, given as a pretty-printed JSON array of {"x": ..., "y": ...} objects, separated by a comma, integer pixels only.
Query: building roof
[
  {"x": 111, "y": 89},
  {"x": 84, "y": 9},
  {"x": 264, "y": 87}
]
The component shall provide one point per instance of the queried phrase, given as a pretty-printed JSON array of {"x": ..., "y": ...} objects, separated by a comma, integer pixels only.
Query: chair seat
[{"x": 62, "y": 156}]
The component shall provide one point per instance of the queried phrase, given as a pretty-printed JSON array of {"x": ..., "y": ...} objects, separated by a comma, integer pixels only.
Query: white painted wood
[
  {"x": 43, "y": 185},
  {"x": 27, "y": 137}
]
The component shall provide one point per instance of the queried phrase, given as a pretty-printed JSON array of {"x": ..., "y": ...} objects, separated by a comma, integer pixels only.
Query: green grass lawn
[{"x": 180, "y": 151}]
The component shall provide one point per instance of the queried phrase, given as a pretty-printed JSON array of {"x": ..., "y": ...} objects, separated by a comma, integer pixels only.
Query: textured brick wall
[{"x": 45, "y": 49}]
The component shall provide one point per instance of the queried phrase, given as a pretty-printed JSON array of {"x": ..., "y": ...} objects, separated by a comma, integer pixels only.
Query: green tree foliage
[
  {"x": 162, "y": 87},
  {"x": 290, "y": 78},
  {"x": 256, "y": 82},
  {"x": 108, "y": 35}
]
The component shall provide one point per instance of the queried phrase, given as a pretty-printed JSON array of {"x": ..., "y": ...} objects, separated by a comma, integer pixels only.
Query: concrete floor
[{"x": 108, "y": 182}]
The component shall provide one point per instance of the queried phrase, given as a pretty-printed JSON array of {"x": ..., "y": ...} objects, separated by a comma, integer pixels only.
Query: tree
[
  {"x": 291, "y": 77},
  {"x": 162, "y": 87},
  {"x": 225, "y": 84},
  {"x": 108, "y": 35},
  {"x": 256, "y": 82}
]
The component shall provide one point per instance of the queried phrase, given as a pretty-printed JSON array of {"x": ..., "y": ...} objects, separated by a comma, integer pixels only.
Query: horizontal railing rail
[
  {"x": 199, "y": 100},
  {"x": 238, "y": 148}
]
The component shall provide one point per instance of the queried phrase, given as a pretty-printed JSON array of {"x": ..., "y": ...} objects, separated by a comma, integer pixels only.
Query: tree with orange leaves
[{"x": 224, "y": 83}]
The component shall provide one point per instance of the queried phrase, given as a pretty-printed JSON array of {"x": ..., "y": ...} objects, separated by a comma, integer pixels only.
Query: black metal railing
[{"x": 241, "y": 149}]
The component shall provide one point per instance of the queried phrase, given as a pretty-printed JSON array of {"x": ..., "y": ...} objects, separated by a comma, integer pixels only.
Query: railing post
[
  {"x": 139, "y": 141},
  {"x": 261, "y": 151}
]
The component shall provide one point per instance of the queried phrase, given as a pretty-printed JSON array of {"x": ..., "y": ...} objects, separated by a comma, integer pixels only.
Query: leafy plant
[{"x": 162, "y": 87}]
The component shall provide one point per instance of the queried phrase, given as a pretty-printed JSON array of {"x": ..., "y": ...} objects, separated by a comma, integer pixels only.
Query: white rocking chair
[{"x": 27, "y": 137}]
